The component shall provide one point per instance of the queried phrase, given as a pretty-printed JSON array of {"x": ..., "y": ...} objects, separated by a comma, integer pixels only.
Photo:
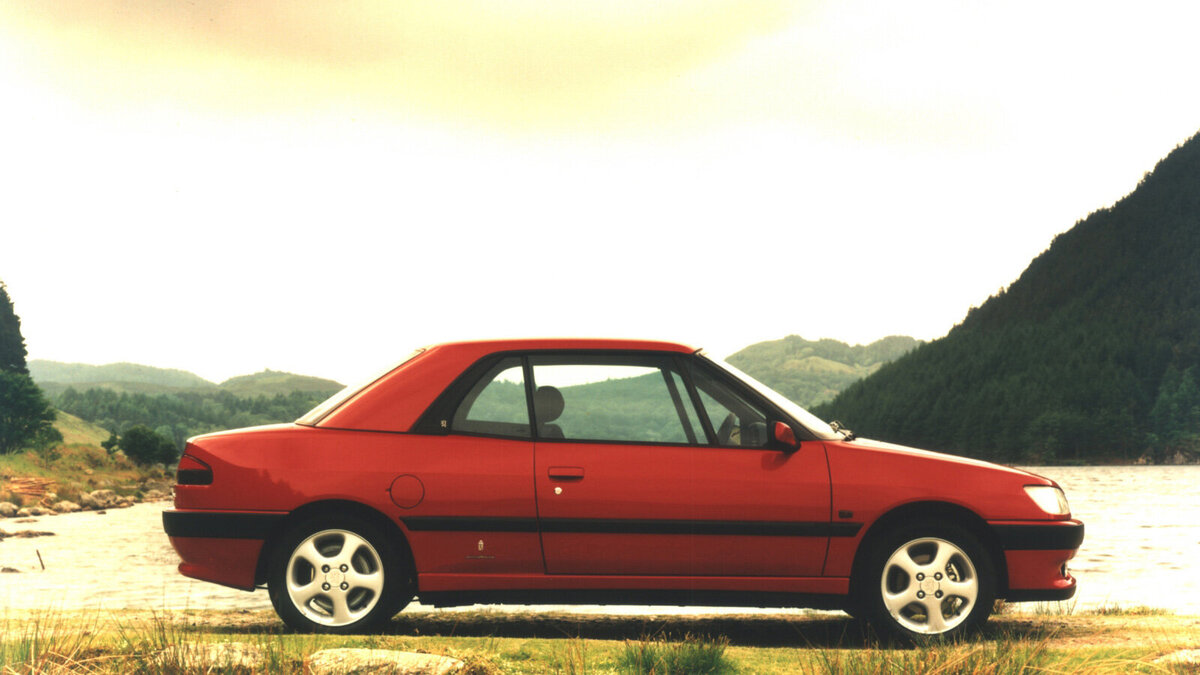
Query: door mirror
[{"x": 786, "y": 435}]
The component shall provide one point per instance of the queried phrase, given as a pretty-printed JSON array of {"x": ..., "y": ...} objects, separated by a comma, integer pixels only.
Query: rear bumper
[
  {"x": 219, "y": 546},
  {"x": 1036, "y": 555}
]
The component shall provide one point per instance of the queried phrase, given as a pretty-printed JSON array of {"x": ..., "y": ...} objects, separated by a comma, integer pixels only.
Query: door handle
[{"x": 566, "y": 472}]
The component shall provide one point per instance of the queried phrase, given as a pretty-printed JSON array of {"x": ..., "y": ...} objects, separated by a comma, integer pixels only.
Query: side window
[
  {"x": 735, "y": 421},
  {"x": 496, "y": 405},
  {"x": 633, "y": 400}
]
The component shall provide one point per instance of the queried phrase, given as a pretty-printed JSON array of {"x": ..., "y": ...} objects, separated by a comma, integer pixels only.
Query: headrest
[{"x": 547, "y": 404}]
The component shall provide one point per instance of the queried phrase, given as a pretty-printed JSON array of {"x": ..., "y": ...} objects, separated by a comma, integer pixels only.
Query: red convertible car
[{"x": 605, "y": 471}]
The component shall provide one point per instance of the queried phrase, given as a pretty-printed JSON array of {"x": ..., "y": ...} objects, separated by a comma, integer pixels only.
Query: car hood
[{"x": 894, "y": 449}]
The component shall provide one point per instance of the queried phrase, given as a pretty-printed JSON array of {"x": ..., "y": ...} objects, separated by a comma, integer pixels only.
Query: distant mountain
[
  {"x": 811, "y": 372},
  {"x": 1093, "y": 353},
  {"x": 271, "y": 382},
  {"x": 131, "y": 377},
  {"x": 54, "y": 378}
]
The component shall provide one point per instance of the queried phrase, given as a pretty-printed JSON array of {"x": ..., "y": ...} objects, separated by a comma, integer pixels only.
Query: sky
[{"x": 319, "y": 186}]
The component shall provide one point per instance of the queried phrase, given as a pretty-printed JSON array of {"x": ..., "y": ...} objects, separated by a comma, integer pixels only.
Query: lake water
[{"x": 1142, "y": 544}]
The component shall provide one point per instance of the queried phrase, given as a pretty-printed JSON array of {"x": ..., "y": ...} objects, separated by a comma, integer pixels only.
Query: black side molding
[
  {"x": 631, "y": 526},
  {"x": 1040, "y": 536},
  {"x": 219, "y": 525}
]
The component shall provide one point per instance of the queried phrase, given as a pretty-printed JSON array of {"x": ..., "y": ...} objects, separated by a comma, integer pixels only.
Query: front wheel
[
  {"x": 928, "y": 580},
  {"x": 336, "y": 575}
]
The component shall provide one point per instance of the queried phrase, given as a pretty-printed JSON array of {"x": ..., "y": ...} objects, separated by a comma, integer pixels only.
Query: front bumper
[{"x": 1036, "y": 555}]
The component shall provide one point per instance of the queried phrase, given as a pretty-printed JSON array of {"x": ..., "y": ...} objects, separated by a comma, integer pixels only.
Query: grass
[
  {"x": 691, "y": 655},
  {"x": 1115, "y": 609},
  {"x": 245, "y": 642},
  {"x": 76, "y": 466}
]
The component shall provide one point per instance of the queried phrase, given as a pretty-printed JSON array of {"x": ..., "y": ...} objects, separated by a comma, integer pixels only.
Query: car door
[
  {"x": 469, "y": 507},
  {"x": 645, "y": 465}
]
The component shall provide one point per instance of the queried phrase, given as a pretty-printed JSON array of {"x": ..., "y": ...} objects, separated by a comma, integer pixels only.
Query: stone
[
  {"x": 373, "y": 661},
  {"x": 207, "y": 657},
  {"x": 98, "y": 499},
  {"x": 9, "y": 570},
  {"x": 24, "y": 512},
  {"x": 1181, "y": 657},
  {"x": 66, "y": 506},
  {"x": 8, "y": 509}
]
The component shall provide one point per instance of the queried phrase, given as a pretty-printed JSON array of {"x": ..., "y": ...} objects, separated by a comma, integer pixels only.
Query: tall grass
[
  {"x": 1002, "y": 657},
  {"x": 690, "y": 656},
  {"x": 46, "y": 642}
]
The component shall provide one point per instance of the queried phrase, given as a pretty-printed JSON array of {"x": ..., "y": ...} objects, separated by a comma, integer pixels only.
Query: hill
[
  {"x": 1090, "y": 354},
  {"x": 131, "y": 378},
  {"x": 175, "y": 403},
  {"x": 76, "y": 431},
  {"x": 271, "y": 382},
  {"x": 54, "y": 377},
  {"x": 811, "y": 372}
]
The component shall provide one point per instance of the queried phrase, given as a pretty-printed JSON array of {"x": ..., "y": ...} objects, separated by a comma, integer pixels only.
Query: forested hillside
[
  {"x": 54, "y": 376},
  {"x": 811, "y": 372},
  {"x": 175, "y": 403},
  {"x": 178, "y": 416},
  {"x": 1091, "y": 354}
]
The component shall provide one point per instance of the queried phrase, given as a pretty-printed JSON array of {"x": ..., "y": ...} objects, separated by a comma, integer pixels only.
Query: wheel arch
[
  {"x": 334, "y": 507},
  {"x": 930, "y": 510}
]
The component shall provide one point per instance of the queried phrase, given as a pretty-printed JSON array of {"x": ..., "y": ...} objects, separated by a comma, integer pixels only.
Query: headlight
[{"x": 1049, "y": 499}]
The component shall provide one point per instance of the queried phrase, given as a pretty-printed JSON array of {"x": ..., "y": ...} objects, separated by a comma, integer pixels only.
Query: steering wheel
[{"x": 725, "y": 433}]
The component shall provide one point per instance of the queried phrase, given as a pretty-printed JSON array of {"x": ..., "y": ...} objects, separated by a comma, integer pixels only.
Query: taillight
[{"x": 193, "y": 472}]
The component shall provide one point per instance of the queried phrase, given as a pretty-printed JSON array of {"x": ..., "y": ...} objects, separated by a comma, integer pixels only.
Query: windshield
[
  {"x": 325, "y": 407},
  {"x": 810, "y": 421}
]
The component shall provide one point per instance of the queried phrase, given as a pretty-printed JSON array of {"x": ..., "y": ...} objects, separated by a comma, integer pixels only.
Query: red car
[{"x": 605, "y": 471}]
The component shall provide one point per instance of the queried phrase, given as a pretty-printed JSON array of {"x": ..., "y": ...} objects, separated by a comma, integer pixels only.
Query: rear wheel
[
  {"x": 927, "y": 580},
  {"x": 337, "y": 575}
]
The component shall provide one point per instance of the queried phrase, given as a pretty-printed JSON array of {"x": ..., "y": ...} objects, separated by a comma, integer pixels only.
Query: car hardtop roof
[{"x": 523, "y": 344}]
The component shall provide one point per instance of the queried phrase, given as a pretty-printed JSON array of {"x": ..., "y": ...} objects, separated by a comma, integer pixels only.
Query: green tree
[
  {"x": 25, "y": 416},
  {"x": 145, "y": 446},
  {"x": 111, "y": 444},
  {"x": 12, "y": 345}
]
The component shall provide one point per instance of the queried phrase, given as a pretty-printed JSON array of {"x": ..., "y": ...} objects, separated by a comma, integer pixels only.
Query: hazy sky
[{"x": 320, "y": 186}]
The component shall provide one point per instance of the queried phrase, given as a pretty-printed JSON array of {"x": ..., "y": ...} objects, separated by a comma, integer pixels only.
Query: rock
[
  {"x": 30, "y": 534},
  {"x": 41, "y": 511},
  {"x": 155, "y": 495},
  {"x": 208, "y": 657},
  {"x": 51, "y": 496},
  {"x": 8, "y": 509},
  {"x": 98, "y": 499},
  {"x": 24, "y": 512},
  {"x": 1181, "y": 657},
  {"x": 9, "y": 570},
  {"x": 355, "y": 661},
  {"x": 66, "y": 507}
]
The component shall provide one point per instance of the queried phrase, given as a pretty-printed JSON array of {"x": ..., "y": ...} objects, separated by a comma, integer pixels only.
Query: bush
[{"x": 144, "y": 446}]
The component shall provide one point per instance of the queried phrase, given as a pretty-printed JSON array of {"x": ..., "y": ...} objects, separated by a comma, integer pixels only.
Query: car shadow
[
  {"x": 819, "y": 630},
  {"x": 754, "y": 630},
  {"x": 824, "y": 630}
]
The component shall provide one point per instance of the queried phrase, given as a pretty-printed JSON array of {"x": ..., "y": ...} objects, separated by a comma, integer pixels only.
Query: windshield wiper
[{"x": 846, "y": 433}]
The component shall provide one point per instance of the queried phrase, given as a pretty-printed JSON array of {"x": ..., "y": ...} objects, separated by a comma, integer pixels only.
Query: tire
[
  {"x": 335, "y": 574},
  {"x": 926, "y": 580}
]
